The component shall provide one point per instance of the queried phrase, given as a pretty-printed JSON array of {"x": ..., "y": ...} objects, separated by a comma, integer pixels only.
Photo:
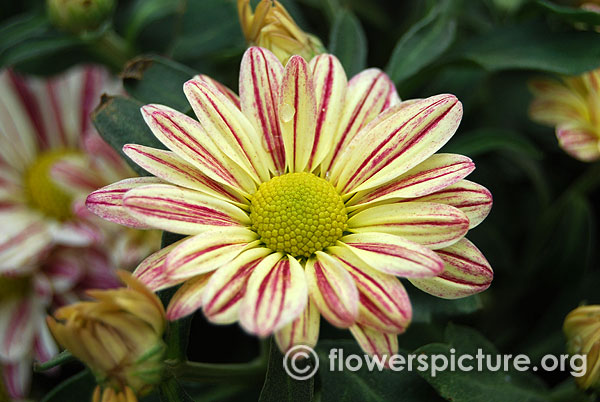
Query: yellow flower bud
[
  {"x": 118, "y": 336},
  {"x": 582, "y": 329},
  {"x": 272, "y": 27},
  {"x": 79, "y": 16}
]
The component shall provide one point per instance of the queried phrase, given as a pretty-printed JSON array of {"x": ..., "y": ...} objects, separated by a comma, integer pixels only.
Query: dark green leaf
[
  {"x": 154, "y": 79},
  {"x": 480, "y": 141},
  {"x": 279, "y": 386},
  {"x": 171, "y": 391},
  {"x": 427, "y": 307},
  {"x": 365, "y": 386},
  {"x": 119, "y": 122},
  {"x": 77, "y": 388},
  {"x": 423, "y": 43},
  {"x": 533, "y": 47},
  {"x": 571, "y": 14},
  {"x": 144, "y": 12},
  {"x": 474, "y": 385},
  {"x": 348, "y": 42}
]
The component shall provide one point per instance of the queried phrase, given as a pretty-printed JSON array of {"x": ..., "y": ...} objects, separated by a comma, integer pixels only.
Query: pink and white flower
[
  {"x": 51, "y": 247},
  {"x": 308, "y": 195}
]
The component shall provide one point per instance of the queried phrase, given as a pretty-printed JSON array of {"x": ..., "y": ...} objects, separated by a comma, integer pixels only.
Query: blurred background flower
[{"x": 582, "y": 329}]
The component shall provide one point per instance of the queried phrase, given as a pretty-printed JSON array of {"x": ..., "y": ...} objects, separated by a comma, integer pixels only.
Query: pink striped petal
[
  {"x": 107, "y": 202},
  {"x": 369, "y": 94},
  {"x": 216, "y": 85},
  {"x": 228, "y": 128},
  {"x": 227, "y": 286},
  {"x": 433, "y": 174},
  {"x": 207, "y": 251},
  {"x": 179, "y": 210},
  {"x": 152, "y": 272},
  {"x": 74, "y": 174},
  {"x": 474, "y": 200},
  {"x": 186, "y": 137},
  {"x": 374, "y": 342},
  {"x": 304, "y": 330},
  {"x": 76, "y": 233},
  {"x": 391, "y": 146},
  {"x": 297, "y": 113},
  {"x": 332, "y": 289},
  {"x": 17, "y": 378},
  {"x": 579, "y": 142},
  {"x": 384, "y": 304},
  {"x": 17, "y": 327},
  {"x": 330, "y": 84},
  {"x": 394, "y": 255},
  {"x": 276, "y": 295},
  {"x": 188, "y": 297},
  {"x": 44, "y": 347},
  {"x": 25, "y": 236},
  {"x": 63, "y": 270},
  {"x": 426, "y": 223},
  {"x": 260, "y": 77},
  {"x": 169, "y": 167},
  {"x": 466, "y": 273}
]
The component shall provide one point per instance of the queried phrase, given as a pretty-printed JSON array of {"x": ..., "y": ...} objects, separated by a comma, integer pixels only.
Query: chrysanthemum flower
[
  {"x": 573, "y": 107},
  {"x": 582, "y": 330},
  {"x": 270, "y": 26},
  {"x": 118, "y": 336},
  {"x": 307, "y": 195},
  {"x": 51, "y": 247}
]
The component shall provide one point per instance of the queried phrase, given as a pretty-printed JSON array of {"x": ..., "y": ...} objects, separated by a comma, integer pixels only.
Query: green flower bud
[{"x": 79, "y": 16}]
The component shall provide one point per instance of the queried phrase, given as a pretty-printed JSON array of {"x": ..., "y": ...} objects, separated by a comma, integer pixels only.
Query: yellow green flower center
[
  {"x": 43, "y": 192},
  {"x": 14, "y": 286},
  {"x": 298, "y": 214}
]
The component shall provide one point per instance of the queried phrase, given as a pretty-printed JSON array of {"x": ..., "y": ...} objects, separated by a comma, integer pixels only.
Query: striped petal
[
  {"x": 579, "y": 142},
  {"x": 369, "y": 93},
  {"x": 332, "y": 289},
  {"x": 384, "y": 304},
  {"x": 304, "y": 330},
  {"x": 471, "y": 198},
  {"x": 169, "y": 167},
  {"x": 186, "y": 137},
  {"x": 374, "y": 342},
  {"x": 466, "y": 272},
  {"x": 74, "y": 175},
  {"x": 226, "y": 125},
  {"x": 330, "y": 84},
  {"x": 297, "y": 113},
  {"x": 17, "y": 327},
  {"x": 188, "y": 298},
  {"x": 260, "y": 78},
  {"x": 207, "y": 251},
  {"x": 44, "y": 347},
  {"x": 152, "y": 272},
  {"x": 426, "y": 223},
  {"x": 227, "y": 286},
  {"x": 392, "y": 145},
  {"x": 433, "y": 174},
  {"x": 16, "y": 376},
  {"x": 107, "y": 202},
  {"x": 394, "y": 255},
  {"x": 24, "y": 237},
  {"x": 276, "y": 295},
  {"x": 216, "y": 85},
  {"x": 179, "y": 210}
]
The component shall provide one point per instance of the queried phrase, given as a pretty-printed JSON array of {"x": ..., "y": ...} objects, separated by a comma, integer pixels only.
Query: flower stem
[
  {"x": 112, "y": 49},
  {"x": 209, "y": 372}
]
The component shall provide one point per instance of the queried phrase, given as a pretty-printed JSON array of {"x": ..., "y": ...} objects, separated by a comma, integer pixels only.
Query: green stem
[
  {"x": 209, "y": 372},
  {"x": 112, "y": 49}
]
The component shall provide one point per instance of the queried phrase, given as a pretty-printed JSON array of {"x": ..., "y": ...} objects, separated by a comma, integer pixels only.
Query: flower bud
[
  {"x": 582, "y": 329},
  {"x": 118, "y": 336},
  {"x": 79, "y": 16},
  {"x": 272, "y": 27}
]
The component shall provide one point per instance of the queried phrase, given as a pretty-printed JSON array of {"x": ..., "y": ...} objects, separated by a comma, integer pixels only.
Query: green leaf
[
  {"x": 77, "y": 388},
  {"x": 422, "y": 44},
  {"x": 144, "y": 12},
  {"x": 474, "y": 385},
  {"x": 279, "y": 386},
  {"x": 427, "y": 307},
  {"x": 533, "y": 47},
  {"x": 571, "y": 14},
  {"x": 171, "y": 391},
  {"x": 119, "y": 122},
  {"x": 480, "y": 141},
  {"x": 154, "y": 79},
  {"x": 348, "y": 42},
  {"x": 363, "y": 385}
]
